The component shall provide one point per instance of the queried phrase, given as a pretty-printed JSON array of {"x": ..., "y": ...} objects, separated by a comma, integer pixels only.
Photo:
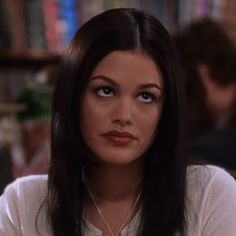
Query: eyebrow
[
  {"x": 109, "y": 80},
  {"x": 106, "y": 79}
]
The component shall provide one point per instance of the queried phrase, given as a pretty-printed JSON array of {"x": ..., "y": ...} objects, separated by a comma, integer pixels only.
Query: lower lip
[{"x": 117, "y": 140}]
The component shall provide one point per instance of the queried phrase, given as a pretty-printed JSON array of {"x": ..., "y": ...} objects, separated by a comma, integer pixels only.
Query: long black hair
[{"x": 163, "y": 198}]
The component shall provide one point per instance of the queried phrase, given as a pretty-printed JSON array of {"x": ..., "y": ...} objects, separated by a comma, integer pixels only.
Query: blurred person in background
[
  {"x": 208, "y": 59},
  {"x": 30, "y": 153},
  {"x": 24, "y": 128}
]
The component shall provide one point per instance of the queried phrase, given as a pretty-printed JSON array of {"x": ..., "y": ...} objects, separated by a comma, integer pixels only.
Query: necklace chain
[{"x": 92, "y": 196}]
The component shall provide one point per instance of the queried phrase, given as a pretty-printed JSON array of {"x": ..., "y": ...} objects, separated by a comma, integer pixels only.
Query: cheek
[
  {"x": 93, "y": 117},
  {"x": 149, "y": 124}
]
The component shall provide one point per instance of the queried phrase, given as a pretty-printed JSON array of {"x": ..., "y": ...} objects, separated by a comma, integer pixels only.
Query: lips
[{"x": 119, "y": 138}]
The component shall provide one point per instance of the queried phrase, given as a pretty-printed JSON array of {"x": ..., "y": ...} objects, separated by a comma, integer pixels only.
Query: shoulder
[
  {"x": 207, "y": 171},
  {"x": 211, "y": 200},
  {"x": 29, "y": 185},
  {"x": 209, "y": 176},
  {"x": 20, "y": 204},
  {"x": 38, "y": 180},
  {"x": 25, "y": 194},
  {"x": 204, "y": 182}
]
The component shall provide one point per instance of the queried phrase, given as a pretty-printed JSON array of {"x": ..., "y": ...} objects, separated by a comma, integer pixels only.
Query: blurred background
[{"x": 33, "y": 37}]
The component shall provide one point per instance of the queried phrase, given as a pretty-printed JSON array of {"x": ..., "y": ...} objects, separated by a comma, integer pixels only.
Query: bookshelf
[
  {"x": 28, "y": 59},
  {"x": 34, "y": 33},
  {"x": 49, "y": 25}
]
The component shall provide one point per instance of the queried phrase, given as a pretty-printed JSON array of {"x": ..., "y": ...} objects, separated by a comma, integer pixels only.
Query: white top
[{"x": 211, "y": 206}]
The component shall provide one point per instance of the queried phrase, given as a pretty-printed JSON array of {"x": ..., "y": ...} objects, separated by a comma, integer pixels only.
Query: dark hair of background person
[
  {"x": 205, "y": 42},
  {"x": 163, "y": 197}
]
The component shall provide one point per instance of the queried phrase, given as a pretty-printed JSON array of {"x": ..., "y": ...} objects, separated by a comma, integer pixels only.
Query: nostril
[{"x": 122, "y": 113}]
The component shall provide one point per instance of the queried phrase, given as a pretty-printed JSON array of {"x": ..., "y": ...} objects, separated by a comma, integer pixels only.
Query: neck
[{"x": 113, "y": 183}]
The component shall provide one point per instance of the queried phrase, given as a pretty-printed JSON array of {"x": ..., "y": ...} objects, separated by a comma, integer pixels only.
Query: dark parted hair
[
  {"x": 164, "y": 182},
  {"x": 205, "y": 42}
]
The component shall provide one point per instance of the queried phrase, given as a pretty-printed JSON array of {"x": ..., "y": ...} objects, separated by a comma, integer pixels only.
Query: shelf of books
[
  {"x": 50, "y": 24},
  {"x": 28, "y": 59},
  {"x": 35, "y": 33},
  {"x": 45, "y": 25}
]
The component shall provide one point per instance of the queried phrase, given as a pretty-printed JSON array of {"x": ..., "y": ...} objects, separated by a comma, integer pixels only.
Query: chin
[{"x": 118, "y": 160}]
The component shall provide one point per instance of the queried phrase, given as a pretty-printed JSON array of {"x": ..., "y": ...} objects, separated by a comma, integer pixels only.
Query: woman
[
  {"x": 118, "y": 164},
  {"x": 208, "y": 58}
]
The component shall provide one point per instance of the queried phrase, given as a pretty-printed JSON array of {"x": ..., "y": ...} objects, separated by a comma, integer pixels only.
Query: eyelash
[
  {"x": 110, "y": 90},
  {"x": 97, "y": 90},
  {"x": 150, "y": 95}
]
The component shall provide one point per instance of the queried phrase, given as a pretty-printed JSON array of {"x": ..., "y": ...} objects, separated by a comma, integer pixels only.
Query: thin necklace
[{"x": 92, "y": 196}]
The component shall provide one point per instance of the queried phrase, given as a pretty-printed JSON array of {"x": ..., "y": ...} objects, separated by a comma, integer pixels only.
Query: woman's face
[{"x": 122, "y": 106}]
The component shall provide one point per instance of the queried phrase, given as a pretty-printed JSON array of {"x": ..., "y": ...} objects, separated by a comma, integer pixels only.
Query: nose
[{"x": 122, "y": 112}]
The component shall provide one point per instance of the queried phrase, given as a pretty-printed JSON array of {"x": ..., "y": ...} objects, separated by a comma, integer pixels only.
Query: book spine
[
  {"x": 52, "y": 26},
  {"x": 17, "y": 26},
  {"x": 4, "y": 26},
  {"x": 201, "y": 8},
  {"x": 113, "y": 4},
  {"x": 34, "y": 25},
  {"x": 68, "y": 16},
  {"x": 89, "y": 8},
  {"x": 216, "y": 9}
]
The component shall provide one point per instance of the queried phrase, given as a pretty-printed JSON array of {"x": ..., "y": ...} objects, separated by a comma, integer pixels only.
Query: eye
[
  {"x": 146, "y": 97},
  {"x": 104, "y": 92}
]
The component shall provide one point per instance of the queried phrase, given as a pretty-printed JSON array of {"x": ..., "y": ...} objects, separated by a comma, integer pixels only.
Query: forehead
[{"x": 129, "y": 66}]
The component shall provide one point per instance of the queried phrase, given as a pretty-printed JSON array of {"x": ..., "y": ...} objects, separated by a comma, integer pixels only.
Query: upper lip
[{"x": 119, "y": 134}]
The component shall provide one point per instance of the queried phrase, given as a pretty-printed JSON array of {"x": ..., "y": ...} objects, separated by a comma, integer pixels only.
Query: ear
[
  {"x": 205, "y": 76},
  {"x": 204, "y": 73},
  {"x": 219, "y": 98}
]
